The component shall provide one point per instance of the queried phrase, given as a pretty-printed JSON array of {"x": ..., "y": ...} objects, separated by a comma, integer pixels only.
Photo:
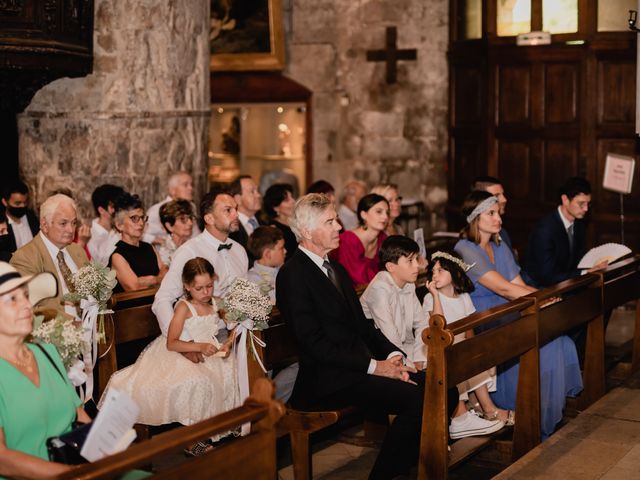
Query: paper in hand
[{"x": 112, "y": 430}]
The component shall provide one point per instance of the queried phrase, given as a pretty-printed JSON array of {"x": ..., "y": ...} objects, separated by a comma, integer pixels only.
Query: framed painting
[{"x": 246, "y": 35}]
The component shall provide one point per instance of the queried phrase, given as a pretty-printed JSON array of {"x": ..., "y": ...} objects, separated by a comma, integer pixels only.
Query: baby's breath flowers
[
  {"x": 64, "y": 333},
  {"x": 245, "y": 301}
]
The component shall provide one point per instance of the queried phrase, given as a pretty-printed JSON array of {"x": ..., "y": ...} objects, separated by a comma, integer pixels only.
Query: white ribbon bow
[
  {"x": 90, "y": 311},
  {"x": 246, "y": 328}
]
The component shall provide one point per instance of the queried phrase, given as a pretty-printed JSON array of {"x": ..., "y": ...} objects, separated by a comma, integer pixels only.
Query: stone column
[{"x": 142, "y": 114}]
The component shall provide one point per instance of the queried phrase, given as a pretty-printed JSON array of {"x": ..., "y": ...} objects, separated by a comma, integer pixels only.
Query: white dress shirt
[
  {"x": 154, "y": 225},
  {"x": 102, "y": 242},
  {"x": 397, "y": 313},
  {"x": 348, "y": 217},
  {"x": 53, "y": 251},
  {"x": 21, "y": 231},
  {"x": 228, "y": 265},
  {"x": 318, "y": 260}
]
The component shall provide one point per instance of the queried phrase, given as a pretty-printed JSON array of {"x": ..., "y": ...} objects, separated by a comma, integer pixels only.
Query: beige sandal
[{"x": 509, "y": 422}]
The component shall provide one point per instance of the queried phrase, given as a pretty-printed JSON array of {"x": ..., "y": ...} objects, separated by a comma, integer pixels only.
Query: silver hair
[
  {"x": 307, "y": 212},
  {"x": 51, "y": 204},
  {"x": 173, "y": 179}
]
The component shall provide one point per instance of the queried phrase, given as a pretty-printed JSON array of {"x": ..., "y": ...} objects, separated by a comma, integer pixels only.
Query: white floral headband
[
  {"x": 453, "y": 259},
  {"x": 483, "y": 206}
]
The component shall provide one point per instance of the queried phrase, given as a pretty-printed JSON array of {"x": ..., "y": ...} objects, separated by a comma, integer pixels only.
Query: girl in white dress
[
  {"x": 448, "y": 295},
  {"x": 166, "y": 385}
]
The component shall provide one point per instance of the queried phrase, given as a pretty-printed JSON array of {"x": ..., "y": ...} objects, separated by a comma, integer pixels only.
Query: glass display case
[{"x": 264, "y": 140}]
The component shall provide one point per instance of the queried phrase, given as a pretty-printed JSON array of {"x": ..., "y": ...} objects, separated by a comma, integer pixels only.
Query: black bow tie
[{"x": 224, "y": 246}]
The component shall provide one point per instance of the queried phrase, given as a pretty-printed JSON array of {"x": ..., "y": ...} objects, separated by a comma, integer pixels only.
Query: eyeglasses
[{"x": 138, "y": 218}]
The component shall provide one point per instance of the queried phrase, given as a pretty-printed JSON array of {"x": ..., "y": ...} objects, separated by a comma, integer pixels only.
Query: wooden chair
[{"x": 253, "y": 456}]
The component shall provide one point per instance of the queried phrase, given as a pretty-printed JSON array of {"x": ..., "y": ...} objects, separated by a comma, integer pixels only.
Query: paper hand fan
[{"x": 608, "y": 251}]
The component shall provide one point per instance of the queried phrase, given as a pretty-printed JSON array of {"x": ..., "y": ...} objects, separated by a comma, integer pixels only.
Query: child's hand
[
  {"x": 208, "y": 349},
  {"x": 420, "y": 365},
  {"x": 431, "y": 286}
]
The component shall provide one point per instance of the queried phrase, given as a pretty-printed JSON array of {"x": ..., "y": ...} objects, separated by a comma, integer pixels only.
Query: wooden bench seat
[{"x": 251, "y": 457}]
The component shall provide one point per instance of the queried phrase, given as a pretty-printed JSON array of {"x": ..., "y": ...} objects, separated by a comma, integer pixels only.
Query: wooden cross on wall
[{"x": 391, "y": 55}]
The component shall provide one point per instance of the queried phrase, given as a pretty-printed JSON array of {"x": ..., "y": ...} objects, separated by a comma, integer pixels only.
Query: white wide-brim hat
[{"x": 41, "y": 286}]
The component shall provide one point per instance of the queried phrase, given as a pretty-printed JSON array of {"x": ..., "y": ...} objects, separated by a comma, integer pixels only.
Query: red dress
[{"x": 350, "y": 254}]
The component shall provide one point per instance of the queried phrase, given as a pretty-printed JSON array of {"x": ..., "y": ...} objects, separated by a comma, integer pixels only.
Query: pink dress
[{"x": 350, "y": 254}]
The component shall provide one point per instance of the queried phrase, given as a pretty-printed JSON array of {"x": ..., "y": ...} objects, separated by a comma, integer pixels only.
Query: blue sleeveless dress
[{"x": 559, "y": 367}]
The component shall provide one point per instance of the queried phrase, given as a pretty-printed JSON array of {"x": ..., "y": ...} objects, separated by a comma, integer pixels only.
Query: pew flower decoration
[
  {"x": 93, "y": 285},
  {"x": 68, "y": 337}
]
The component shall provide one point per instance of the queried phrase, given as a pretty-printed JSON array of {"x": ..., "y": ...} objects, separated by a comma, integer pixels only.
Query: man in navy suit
[
  {"x": 246, "y": 194},
  {"x": 344, "y": 359},
  {"x": 557, "y": 242}
]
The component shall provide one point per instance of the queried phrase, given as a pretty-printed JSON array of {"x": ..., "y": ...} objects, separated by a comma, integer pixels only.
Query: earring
[{"x": 364, "y": 226}]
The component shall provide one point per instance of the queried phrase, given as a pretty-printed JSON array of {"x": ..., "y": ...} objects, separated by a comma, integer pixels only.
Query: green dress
[{"x": 30, "y": 414}]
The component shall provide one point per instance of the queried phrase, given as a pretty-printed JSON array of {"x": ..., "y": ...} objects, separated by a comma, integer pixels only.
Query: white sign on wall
[{"x": 618, "y": 173}]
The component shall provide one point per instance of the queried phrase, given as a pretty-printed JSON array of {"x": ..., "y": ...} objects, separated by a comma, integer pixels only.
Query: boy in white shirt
[{"x": 390, "y": 300}]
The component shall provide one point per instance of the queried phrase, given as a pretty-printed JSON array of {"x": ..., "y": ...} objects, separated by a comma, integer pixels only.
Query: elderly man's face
[
  {"x": 183, "y": 188},
  {"x": 62, "y": 227},
  {"x": 250, "y": 200},
  {"x": 325, "y": 236}
]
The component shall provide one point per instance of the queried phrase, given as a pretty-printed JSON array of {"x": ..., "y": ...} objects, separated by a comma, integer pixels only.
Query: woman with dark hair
[
  {"x": 496, "y": 278},
  {"x": 136, "y": 263},
  {"x": 359, "y": 248},
  {"x": 278, "y": 204}
]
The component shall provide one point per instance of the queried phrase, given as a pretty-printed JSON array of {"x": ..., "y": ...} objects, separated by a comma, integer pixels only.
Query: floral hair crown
[{"x": 453, "y": 259}]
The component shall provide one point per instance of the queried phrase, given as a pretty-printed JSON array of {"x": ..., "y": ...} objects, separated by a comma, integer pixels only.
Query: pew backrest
[{"x": 253, "y": 456}]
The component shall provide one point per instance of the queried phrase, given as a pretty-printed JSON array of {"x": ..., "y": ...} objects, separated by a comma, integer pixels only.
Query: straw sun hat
[{"x": 41, "y": 286}]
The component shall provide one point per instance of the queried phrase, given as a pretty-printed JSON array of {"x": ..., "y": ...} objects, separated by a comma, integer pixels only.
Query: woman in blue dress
[{"x": 496, "y": 277}]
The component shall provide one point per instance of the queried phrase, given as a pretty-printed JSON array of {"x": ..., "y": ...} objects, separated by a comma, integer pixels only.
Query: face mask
[{"x": 17, "y": 211}]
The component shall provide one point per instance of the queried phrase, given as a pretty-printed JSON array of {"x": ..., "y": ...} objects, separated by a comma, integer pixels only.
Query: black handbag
[{"x": 66, "y": 448}]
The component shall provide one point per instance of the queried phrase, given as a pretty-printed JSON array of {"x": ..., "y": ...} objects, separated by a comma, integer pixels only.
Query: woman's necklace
[{"x": 25, "y": 363}]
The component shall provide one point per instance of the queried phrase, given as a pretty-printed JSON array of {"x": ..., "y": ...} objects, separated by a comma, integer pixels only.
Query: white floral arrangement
[
  {"x": 64, "y": 333},
  {"x": 245, "y": 301},
  {"x": 94, "y": 284}
]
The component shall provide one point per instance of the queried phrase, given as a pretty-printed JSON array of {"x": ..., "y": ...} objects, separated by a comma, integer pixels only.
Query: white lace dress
[{"x": 170, "y": 388}]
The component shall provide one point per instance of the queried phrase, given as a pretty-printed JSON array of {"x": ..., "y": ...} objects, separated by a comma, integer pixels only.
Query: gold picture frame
[{"x": 240, "y": 44}]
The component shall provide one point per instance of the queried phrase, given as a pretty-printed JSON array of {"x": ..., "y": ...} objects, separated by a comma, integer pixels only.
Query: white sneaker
[{"x": 470, "y": 424}]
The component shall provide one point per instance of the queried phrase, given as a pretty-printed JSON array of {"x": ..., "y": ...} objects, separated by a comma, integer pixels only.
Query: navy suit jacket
[
  {"x": 335, "y": 340},
  {"x": 549, "y": 259},
  {"x": 8, "y": 242}
]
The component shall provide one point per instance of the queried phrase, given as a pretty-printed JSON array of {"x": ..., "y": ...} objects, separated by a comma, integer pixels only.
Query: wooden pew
[
  {"x": 581, "y": 305},
  {"x": 132, "y": 320},
  {"x": 280, "y": 352},
  {"x": 621, "y": 284},
  {"x": 449, "y": 364},
  {"x": 253, "y": 456}
]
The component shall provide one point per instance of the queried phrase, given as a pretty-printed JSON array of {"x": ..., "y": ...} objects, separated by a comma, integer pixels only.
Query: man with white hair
[
  {"x": 351, "y": 194},
  {"x": 180, "y": 187},
  {"x": 344, "y": 359},
  {"x": 52, "y": 250}
]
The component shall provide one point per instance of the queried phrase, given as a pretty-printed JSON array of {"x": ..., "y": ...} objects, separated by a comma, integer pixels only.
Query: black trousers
[{"x": 375, "y": 394}]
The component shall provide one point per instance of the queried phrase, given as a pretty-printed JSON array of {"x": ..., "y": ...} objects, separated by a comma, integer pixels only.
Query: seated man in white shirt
[
  {"x": 180, "y": 187},
  {"x": 351, "y": 195},
  {"x": 219, "y": 212},
  {"x": 53, "y": 250},
  {"x": 103, "y": 236},
  {"x": 22, "y": 222}
]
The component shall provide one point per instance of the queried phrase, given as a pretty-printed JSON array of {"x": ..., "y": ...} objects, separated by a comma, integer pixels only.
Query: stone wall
[
  {"x": 142, "y": 114},
  {"x": 363, "y": 127}
]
